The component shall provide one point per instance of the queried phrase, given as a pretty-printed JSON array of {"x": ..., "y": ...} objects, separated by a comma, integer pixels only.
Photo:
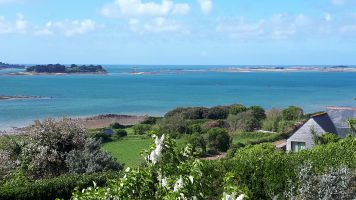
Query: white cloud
[
  {"x": 20, "y": 25},
  {"x": 206, "y": 6},
  {"x": 157, "y": 25},
  {"x": 67, "y": 27},
  {"x": 327, "y": 17},
  {"x": 338, "y": 2},
  {"x": 278, "y": 26},
  {"x": 136, "y": 8}
]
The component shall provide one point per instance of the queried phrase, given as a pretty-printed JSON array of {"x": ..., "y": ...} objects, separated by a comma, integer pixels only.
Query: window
[{"x": 297, "y": 146}]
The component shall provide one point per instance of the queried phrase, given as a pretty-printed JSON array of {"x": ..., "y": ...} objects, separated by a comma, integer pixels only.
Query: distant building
[{"x": 334, "y": 120}]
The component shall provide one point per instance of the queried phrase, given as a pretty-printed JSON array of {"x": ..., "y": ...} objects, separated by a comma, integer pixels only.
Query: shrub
[
  {"x": 120, "y": 133},
  {"x": 117, "y": 125},
  {"x": 198, "y": 142},
  {"x": 258, "y": 112},
  {"x": 234, "y": 109},
  {"x": 90, "y": 159},
  {"x": 59, "y": 187},
  {"x": 174, "y": 112},
  {"x": 141, "y": 129},
  {"x": 326, "y": 138},
  {"x": 174, "y": 126},
  {"x": 218, "y": 139},
  {"x": 292, "y": 113},
  {"x": 212, "y": 124},
  {"x": 244, "y": 121},
  {"x": 273, "y": 117},
  {"x": 196, "y": 113},
  {"x": 150, "y": 120},
  {"x": 218, "y": 112}
]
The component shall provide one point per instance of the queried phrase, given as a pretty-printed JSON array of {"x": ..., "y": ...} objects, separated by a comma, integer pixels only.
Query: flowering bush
[{"x": 167, "y": 174}]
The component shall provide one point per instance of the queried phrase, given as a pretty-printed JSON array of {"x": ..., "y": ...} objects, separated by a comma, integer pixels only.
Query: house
[{"x": 334, "y": 120}]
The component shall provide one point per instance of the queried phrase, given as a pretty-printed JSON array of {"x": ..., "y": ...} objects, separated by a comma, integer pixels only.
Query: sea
[{"x": 126, "y": 90}]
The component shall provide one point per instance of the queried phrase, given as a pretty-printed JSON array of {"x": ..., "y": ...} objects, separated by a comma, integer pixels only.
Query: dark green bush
[
  {"x": 117, "y": 125},
  {"x": 119, "y": 133},
  {"x": 258, "y": 112},
  {"x": 150, "y": 120},
  {"x": 218, "y": 112},
  {"x": 218, "y": 139},
  {"x": 59, "y": 187},
  {"x": 234, "y": 109}
]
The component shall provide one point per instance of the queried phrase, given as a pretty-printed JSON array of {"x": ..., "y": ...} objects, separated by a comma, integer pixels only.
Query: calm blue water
[{"x": 120, "y": 92}]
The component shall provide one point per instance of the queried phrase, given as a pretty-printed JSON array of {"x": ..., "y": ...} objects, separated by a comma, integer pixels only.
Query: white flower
[
  {"x": 179, "y": 184},
  {"x": 164, "y": 182},
  {"x": 156, "y": 155},
  {"x": 241, "y": 197}
]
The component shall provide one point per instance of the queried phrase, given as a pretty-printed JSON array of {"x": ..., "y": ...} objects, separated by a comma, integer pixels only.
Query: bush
[
  {"x": 150, "y": 120},
  {"x": 234, "y": 109},
  {"x": 218, "y": 139},
  {"x": 273, "y": 117},
  {"x": 90, "y": 159},
  {"x": 218, "y": 112},
  {"x": 258, "y": 112},
  {"x": 174, "y": 126},
  {"x": 59, "y": 187},
  {"x": 292, "y": 113},
  {"x": 198, "y": 143},
  {"x": 244, "y": 121},
  {"x": 141, "y": 129},
  {"x": 196, "y": 113},
  {"x": 120, "y": 133},
  {"x": 326, "y": 138},
  {"x": 117, "y": 125}
]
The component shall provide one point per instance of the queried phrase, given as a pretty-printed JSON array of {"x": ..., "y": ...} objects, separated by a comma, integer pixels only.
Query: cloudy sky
[{"x": 178, "y": 31}]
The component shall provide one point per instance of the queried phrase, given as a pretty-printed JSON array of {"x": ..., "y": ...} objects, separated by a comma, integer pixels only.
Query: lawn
[
  {"x": 128, "y": 150},
  {"x": 254, "y": 137}
]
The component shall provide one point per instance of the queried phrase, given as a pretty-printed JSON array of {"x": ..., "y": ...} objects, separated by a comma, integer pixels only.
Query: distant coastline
[
  {"x": 252, "y": 69},
  {"x": 58, "y": 69},
  {"x": 10, "y": 66}
]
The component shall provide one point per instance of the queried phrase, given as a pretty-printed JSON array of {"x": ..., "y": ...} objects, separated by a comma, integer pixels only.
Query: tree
[
  {"x": 292, "y": 113},
  {"x": 218, "y": 112},
  {"x": 234, "y": 109},
  {"x": 120, "y": 133},
  {"x": 258, "y": 112},
  {"x": 175, "y": 126},
  {"x": 218, "y": 139},
  {"x": 244, "y": 121},
  {"x": 273, "y": 117}
]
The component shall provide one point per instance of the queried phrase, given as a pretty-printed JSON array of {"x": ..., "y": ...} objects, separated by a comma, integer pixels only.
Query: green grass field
[
  {"x": 128, "y": 150},
  {"x": 254, "y": 137}
]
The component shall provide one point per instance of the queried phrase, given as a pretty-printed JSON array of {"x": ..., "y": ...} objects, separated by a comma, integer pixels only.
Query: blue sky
[{"x": 199, "y": 32}]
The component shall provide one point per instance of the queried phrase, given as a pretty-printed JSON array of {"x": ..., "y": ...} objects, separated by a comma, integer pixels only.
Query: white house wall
[{"x": 303, "y": 134}]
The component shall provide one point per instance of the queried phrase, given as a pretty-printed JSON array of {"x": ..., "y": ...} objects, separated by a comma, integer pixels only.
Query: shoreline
[{"x": 89, "y": 122}]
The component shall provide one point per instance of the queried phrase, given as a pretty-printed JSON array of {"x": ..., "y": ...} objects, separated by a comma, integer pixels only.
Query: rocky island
[
  {"x": 58, "y": 69},
  {"x": 8, "y": 97}
]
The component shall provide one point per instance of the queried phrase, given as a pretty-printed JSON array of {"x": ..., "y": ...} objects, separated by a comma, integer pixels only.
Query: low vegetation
[
  {"x": 57, "y": 68},
  {"x": 54, "y": 157}
]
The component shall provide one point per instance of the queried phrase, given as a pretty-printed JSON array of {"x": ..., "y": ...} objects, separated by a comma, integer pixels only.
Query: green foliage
[
  {"x": 141, "y": 129},
  {"x": 292, "y": 113},
  {"x": 218, "y": 139},
  {"x": 117, "y": 125},
  {"x": 258, "y": 112},
  {"x": 267, "y": 171},
  {"x": 326, "y": 138},
  {"x": 150, "y": 120},
  {"x": 90, "y": 159},
  {"x": 119, "y": 133},
  {"x": 234, "y": 109},
  {"x": 174, "y": 126},
  {"x": 218, "y": 112},
  {"x": 243, "y": 121},
  {"x": 254, "y": 137},
  {"x": 352, "y": 126},
  {"x": 59, "y": 187},
  {"x": 198, "y": 143},
  {"x": 273, "y": 117}
]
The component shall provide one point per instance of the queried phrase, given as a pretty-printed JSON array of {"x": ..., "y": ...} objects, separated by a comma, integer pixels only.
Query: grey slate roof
[
  {"x": 339, "y": 116},
  {"x": 325, "y": 122}
]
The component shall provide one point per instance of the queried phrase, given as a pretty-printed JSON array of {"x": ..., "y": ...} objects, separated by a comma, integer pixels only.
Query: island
[
  {"x": 62, "y": 69},
  {"x": 10, "y": 66}
]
